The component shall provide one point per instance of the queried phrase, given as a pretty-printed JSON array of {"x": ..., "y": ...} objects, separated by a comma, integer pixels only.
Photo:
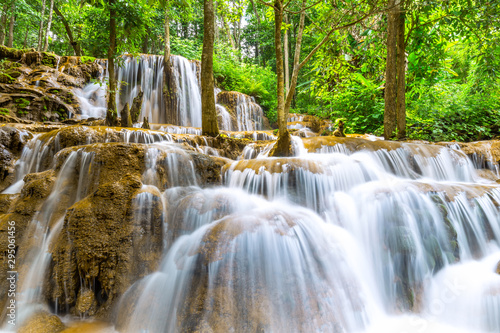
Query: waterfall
[
  {"x": 145, "y": 73},
  {"x": 348, "y": 235},
  {"x": 249, "y": 114},
  {"x": 46, "y": 226}
]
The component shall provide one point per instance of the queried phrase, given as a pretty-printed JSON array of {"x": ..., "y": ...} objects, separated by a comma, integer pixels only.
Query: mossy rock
[
  {"x": 87, "y": 60},
  {"x": 6, "y": 78},
  {"x": 49, "y": 59},
  {"x": 42, "y": 322},
  {"x": 399, "y": 239},
  {"x": 12, "y": 54}
]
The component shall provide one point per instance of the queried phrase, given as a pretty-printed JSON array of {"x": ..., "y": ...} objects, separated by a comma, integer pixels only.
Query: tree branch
[
  {"x": 303, "y": 9},
  {"x": 325, "y": 39},
  {"x": 266, "y": 4}
]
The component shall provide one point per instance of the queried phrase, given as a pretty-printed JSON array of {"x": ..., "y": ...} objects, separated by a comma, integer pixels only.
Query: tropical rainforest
[{"x": 429, "y": 67}]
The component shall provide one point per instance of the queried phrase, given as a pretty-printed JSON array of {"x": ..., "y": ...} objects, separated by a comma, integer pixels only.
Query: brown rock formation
[
  {"x": 38, "y": 87},
  {"x": 42, "y": 322}
]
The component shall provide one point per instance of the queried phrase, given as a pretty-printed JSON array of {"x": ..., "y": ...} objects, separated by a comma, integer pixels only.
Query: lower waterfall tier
[{"x": 164, "y": 230}]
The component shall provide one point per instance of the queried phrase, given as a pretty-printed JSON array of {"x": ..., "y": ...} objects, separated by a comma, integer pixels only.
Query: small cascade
[
  {"x": 224, "y": 118},
  {"x": 39, "y": 152},
  {"x": 249, "y": 114},
  {"x": 294, "y": 117},
  {"x": 305, "y": 181},
  {"x": 35, "y": 153},
  {"x": 92, "y": 97},
  {"x": 412, "y": 160},
  {"x": 46, "y": 226},
  {"x": 168, "y": 165},
  {"x": 180, "y": 130},
  {"x": 188, "y": 92},
  {"x": 131, "y": 136}
]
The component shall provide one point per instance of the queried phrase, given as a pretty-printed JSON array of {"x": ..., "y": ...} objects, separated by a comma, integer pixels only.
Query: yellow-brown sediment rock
[{"x": 42, "y": 322}]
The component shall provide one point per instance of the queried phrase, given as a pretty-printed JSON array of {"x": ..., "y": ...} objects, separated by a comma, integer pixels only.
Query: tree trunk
[
  {"x": 111, "y": 114},
  {"x": 283, "y": 146},
  {"x": 40, "y": 32},
  {"x": 287, "y": 65},
  {"x": 228, "y": 32},
  {"x": 3, "y": 23},
  {"x": 209, "y": 113},
  {"x": 169, "y": 95},
  {"x": 145, "y": 41},
  {"x": 237, "y": 35},
  {"x": 390, "y": 92},
  {"x": 10, "y": 43},
  {"x": 296, "y": 60},
  {"x": 49, "y": 23},
  {"x": 256, "y": 13},
  {"x": 401, "y": 72},
  {"x": 278, "y": 19},
  {"x": 72, "y": 42},
  {"x": 25, "y": 44}
]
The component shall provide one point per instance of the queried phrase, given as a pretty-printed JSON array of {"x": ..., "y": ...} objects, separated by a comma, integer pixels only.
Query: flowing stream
[{"x": 339, "y": 240}]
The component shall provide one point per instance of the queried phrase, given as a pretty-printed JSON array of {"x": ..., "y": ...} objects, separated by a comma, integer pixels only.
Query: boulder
[{"x": 42, "y": 322}]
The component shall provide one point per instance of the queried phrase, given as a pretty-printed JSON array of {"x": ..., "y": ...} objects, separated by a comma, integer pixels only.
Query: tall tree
[
  {"x": 49, "y": 23},
  {"x": 10, "y": 42},
  {"x": 283, "y": 145},
  {"x": 168, "y": 75},
  {"x": 390, "y": 92},
  {"x": 40, "y": 32},
  {"x": 257, "y": 17},
  {"x": 112, "y": 114},
  {"x": 401, "y": 72},
  {"x": 287, "y": 65},
  {"x": 209, "y": 113},
  {"x": 344, "y": 15},
  {"x": 3, "y": 23},
  {"x": 169, "y": 93},
  {"x": 74, "y": 43}
]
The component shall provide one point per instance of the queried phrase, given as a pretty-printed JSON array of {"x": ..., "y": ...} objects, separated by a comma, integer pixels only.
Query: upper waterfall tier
[{"x": 146, "y": 73}]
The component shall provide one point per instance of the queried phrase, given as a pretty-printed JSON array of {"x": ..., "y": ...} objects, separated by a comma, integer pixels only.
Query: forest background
[{"x": 451, "y": 52}]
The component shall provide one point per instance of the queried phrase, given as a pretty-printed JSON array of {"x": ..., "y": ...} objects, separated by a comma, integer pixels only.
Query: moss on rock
[{"x": 42, "y": 322}]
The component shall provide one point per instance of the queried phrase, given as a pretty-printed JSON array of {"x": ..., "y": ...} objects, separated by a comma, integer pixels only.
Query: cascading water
[
  {"x": 46, "y": 226},
  {"x": 145, "y": 73},
  {"x": 249, "y": 115},
  {"x": 356, "y": 236}
]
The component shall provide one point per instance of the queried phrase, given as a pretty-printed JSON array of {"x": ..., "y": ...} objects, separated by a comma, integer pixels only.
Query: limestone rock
[
  {"x": 135, "y": 110},
  {"x": 38, "y": 86},
  {"x": 126, "y": 120},
  {"x": 86, "y": 304},
  {"x": 43, "y": 322}
]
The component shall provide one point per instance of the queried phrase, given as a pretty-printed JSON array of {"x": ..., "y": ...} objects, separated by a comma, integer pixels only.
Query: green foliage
[
  {"x": 450, "y": 111},
  {"x": 22, "y": 103},
  {"x": 359, "y": 102},
  {"x": 190, "y": 49},
  {"x": 4, "y": 111},
  {"x": 233, "y": 75},
  {"x": 87, "y": 60}
]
